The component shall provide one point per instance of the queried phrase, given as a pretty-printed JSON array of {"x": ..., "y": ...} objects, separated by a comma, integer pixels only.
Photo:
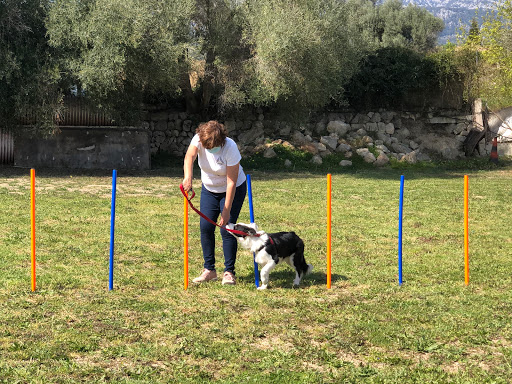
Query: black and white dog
[{"x": 272, "y": 248}]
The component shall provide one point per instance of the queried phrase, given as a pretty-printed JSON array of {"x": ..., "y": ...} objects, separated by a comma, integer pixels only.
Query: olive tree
[
  {"x": 216, "y": 54},
  {"x": 496, "y": 41},
  {"x": 28, "y": 71}
]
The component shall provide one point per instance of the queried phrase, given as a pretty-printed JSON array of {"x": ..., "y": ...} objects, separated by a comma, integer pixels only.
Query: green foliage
[
  {"x": 117, "y": 50},
  {"x": 301, "y": 53},
  {"x": 237, "y": 53},
  {"x": 396, "y": 60},
  {"x": 474, "y": 32},
  {"x": 386, "y": 77},
  {"x": 28, "y": 71},
  {"x": 496, "y": 37},
  {"x": 393, "y": 25}
]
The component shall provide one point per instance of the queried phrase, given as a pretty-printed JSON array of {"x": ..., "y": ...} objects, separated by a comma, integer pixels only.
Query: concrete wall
[{"x": 87, "y": 148}]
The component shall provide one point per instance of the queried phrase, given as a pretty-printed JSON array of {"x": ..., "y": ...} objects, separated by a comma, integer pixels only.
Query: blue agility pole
[
  {"x": 112, "y": 225},
  {"x": 251, "y": 215},
  {"x": 400, "y": 215}
]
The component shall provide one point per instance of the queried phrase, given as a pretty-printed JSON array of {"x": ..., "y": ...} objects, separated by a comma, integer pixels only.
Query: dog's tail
[{"x": 310, "y": 269}]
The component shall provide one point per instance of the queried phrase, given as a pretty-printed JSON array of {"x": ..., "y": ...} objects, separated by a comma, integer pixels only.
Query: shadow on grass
[
  {"x": 283, "y": 278},
  {"x": 165, "y": 165}
]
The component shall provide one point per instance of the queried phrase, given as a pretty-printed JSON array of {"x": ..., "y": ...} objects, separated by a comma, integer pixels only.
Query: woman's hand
[
  {"x": 224, "y": 217},
  {"x": 187, "y": 183},
  {"x": 188, "y": 167}
]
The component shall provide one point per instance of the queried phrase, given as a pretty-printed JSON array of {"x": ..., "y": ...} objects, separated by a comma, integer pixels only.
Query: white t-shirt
[{"x": 213, "y": 166}]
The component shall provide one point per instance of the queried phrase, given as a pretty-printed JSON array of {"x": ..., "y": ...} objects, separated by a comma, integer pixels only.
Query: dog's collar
[{"x": 263, "y": 246}]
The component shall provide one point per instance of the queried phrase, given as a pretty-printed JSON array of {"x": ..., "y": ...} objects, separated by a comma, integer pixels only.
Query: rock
[
  {"x": 269, "y": 153},
  {"x": 422, "y": 156},
  {"x": 310, "y": 148},
  {"x": 367, "y": 140},
  {"x": 413, "y": 145},
  {"x": 361, "y": 132},
  {"x": 251, "y": 135},
  {"x": 343, "y": 148},
  {"x": 320, "y": 147},
  {"x": 287, "y": 163},
  {"x": 447, "y": 147},
  {"x": 410, "y": 158},
  {"x": 397, "y": 147},
  {"x": 371, "y": 127},
  {"x": 442, "y": 120},
  {"x": 362, "y": 151},
  {"x": 459, "y": 128},
  {"x": 360, "y": 119},
  {"x": 345, "y": 163},
  {"x": 285, "y": 131},
  {"x": 382, "y": 148},
  {"x": 320, "y": 128},
  {"x": 355, "y": 127},
  {"x": 366, "y": 155},
  {"x": 187, "y": 125},
  {"x": 329, "y": 141},
  {"x": 387, "y": 116},
  {"x": 382, "y": 160},
  {"x": 298, "y": 138},
  {"x": 402, "y": 133},
  {"x": 317, "y": 160},
  {"x": 338, "y": 127},
  {"x": 369, "y": 158},
  {"x": 390, "y": 128},
  {"x": 376, "y": 118}
]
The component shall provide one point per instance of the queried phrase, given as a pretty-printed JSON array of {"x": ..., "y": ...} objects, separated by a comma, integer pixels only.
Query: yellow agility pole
[
  {"x": 466, "y": 230},
  {"x": 329, "y": 185},
  {"x": 185, "y": 242},
  {"x": 33, "y": 228}
]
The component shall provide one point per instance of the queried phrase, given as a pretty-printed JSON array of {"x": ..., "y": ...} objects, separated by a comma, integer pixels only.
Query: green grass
[{"x": 365, "y": 329}]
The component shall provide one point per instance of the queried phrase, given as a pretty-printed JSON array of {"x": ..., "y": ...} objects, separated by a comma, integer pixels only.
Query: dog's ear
[{"x": 254, "y": 226}]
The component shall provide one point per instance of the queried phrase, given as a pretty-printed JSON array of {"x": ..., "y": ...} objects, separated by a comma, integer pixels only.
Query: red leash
[{"x": 205, "y": 217}]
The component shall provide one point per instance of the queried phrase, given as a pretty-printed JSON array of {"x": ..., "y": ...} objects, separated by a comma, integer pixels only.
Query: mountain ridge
[{"x": 454, "y": 13}]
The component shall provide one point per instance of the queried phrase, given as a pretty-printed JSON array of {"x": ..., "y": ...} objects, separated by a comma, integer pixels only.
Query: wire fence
[
  {"x": 6, "y": 147},
  {"x": 76, "y": 113}
]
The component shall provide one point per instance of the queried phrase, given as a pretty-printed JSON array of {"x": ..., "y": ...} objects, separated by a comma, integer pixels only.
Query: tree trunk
[
  {"x": 188, "y": 94},
  {"x": 186, "y": 88},
  {"x": 208, "y": 81}
]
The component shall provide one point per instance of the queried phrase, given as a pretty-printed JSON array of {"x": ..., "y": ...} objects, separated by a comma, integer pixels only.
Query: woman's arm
[
  {"x": 188, "y": 167},
  {"x": 231, "y": 179}
]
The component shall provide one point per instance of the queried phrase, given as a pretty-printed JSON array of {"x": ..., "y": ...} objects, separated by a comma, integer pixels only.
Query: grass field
[{"x": 365, "y": 329}]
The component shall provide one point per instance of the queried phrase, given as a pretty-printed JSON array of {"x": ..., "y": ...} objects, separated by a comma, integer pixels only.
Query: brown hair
[{"x": 212, "y": 134}]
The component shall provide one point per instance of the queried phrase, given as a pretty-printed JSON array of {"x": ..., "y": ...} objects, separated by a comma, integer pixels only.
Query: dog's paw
[
  {"x": 262, "y": 287},
  {"x": 295, "y": 286}
]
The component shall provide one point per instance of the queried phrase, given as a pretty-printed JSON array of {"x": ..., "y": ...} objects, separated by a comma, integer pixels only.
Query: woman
[{"x": 223, "y": 193}]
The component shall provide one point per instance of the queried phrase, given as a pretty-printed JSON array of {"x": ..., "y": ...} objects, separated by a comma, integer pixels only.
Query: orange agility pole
[
  {"x": 329, "y": 185},
  {"x": 185, "y": 242},
  {"x": 466, "y": 230},
  {"x": 33, "y": 228}
]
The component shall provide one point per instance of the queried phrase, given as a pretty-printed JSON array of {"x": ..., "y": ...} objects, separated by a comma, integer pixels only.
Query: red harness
[{"x": 240, "y": 233}]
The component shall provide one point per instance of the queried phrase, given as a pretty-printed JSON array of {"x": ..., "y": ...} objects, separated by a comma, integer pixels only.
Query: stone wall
[
  {"x": 374, "y": 135},
  {"x": 88, "y": 148}
]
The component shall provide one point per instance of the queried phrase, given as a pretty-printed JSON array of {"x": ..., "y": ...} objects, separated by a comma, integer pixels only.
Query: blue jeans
[{"x": 211, "y": 206}]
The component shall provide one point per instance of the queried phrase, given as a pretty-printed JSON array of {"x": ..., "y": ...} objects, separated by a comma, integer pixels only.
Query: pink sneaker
[
  {"x": 206, "y": 275},
  {"x": 228, "y": 279}
]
